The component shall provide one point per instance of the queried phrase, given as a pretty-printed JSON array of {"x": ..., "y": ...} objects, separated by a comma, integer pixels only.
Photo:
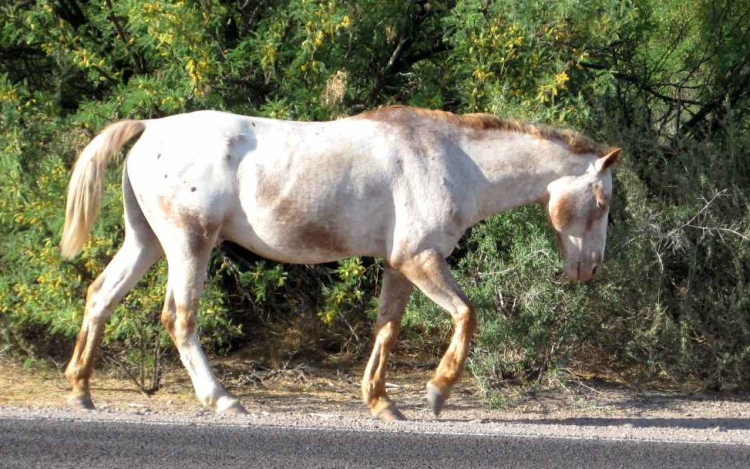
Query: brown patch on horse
[
  {"x": 165, "y": 204},
  {"x": 390, "y": 114},
  {"x": 267, "y": 191},
  {"x": 320, "y": 236},
  {"x": 601, "y": 196},
  {"x": 83, "y": 369},
  {"x": 94, "y": 287},
  {"x": 179, "y": 321},
  {"x": 598, "y": 212},
  {"x": 561, "y": 211},
  {"x": 200, "y": 233},
  {"x": 385, "y": 337},
  {"x": 558, "y": 238},
  {"x": 81, "y": 364},
  {"x": 168, "y": 314},
  {"x": 451, "y": 366},
  {"x": 574, "y": 141},
  {"x": 305, "y": 233},
  {"x": 76, "y": 371},
  {"x": 185, "y": 324},
  {"x": 594, "y": 216}
]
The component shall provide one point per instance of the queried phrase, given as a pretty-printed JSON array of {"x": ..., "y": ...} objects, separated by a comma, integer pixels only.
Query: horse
[{"x": 398, "y": 183}]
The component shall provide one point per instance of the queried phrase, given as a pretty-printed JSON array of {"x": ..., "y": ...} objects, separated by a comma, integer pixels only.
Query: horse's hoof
[
  {"x": 81, "y": 402},
  {"x": 234, "y": 409},
  {"x": 435, "y": 398},
  {"x": 389, "y": 414}
]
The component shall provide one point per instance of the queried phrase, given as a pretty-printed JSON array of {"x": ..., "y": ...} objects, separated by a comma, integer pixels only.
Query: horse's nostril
[{"x": 593, "y": 272}]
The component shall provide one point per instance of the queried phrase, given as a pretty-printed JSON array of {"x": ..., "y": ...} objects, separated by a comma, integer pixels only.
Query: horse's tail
[{"x": 87, "y": 181}]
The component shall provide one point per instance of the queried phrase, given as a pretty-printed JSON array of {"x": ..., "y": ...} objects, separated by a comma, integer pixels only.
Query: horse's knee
[
  {"x": 94, "y": 300},
  {"x": 465, "y": 320},
  {"x": 179, "y": 322},
  {"x": 387, "y": 331},
  {"x": 184, "y": 326},
  {"x": 167, "y": 320}
]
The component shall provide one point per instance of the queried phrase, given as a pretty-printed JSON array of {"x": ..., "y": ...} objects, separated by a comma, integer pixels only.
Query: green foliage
[
  {"x": 666, "y": 80},
  {"x": 347, "y": 294},
  {"x": 262, "y": 280}
]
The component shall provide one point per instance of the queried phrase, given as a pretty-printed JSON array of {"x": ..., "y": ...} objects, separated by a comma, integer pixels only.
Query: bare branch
[
  {"x": 643, "y": 86},
  {"x": 135, "y": 57},
  {"x": 406, "y": 37},
  {"x": 720, "y": 229}
]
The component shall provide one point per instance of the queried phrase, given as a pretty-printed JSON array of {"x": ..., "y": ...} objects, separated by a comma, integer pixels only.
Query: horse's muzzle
[{"x": 582, "y": 270}]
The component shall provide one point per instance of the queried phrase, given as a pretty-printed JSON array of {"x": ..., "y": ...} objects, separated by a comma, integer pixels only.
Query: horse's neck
[{"x": 517, "y": 168}]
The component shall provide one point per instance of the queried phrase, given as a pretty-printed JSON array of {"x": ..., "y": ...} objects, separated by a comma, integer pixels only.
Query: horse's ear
[{"x": 610, "y": 158}]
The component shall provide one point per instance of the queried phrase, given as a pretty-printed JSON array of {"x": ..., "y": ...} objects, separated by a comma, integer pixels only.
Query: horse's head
[{"x": 578, "y": 207}]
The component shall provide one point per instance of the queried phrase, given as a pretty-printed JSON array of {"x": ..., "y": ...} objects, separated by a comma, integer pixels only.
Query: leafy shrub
[{"x": 666, "y": 80}]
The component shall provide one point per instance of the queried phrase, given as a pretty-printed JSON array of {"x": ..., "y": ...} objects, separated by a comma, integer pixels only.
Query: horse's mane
[{"x": 576, "y": 142}]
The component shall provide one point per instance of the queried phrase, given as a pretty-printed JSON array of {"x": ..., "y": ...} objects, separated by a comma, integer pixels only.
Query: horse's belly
[
  {"x": 305, "y": 241},
  {"x": 317, "y": 207}
]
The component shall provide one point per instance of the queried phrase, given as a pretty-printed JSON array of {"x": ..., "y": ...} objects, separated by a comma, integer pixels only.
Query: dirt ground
[{"x": 304, "y": 390}]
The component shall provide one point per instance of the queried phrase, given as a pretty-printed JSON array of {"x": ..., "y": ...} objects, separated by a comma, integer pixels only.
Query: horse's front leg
[
  {"x": 188, "y": 263},
  {"x": 393, "y": 298},
  {"x": 430, "y": 273}
]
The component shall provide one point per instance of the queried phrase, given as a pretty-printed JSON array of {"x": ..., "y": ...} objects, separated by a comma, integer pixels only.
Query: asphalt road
[{"x": 51, "y": 443}]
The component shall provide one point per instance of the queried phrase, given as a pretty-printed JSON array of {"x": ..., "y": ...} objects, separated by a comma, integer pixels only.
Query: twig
[
  {"x": 130, "y": 375},
  {"x": 705, "y": 207},
  {"x": 156, "y": 376},
  {"x": 579, "y": 381},
  {"x": 405, "y": 39},
  {"x": 690, "y": 224},
  {"x": 726, "y": 230},
  {"x": 658, "y": 255},
  {"x": 143, "y": 359},
  {"x": 137, "y": 60}
]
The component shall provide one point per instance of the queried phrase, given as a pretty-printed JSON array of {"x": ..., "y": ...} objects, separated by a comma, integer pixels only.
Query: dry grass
[{"x": 303, "y": 389}]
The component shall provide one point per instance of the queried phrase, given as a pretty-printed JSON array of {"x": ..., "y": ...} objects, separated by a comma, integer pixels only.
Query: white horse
[{"x": 398, "y": 183}]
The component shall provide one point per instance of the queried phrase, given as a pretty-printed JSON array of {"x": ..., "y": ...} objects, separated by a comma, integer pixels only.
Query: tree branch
[
  {"x": 411, "y": 59},
  {"x": 134, "y": 56},
  {"x": 70, "y": 11},
  {"x": 694, "y": 125},
  {"x": 406, "y": 38},
  {"x": 642, "y": 86}
]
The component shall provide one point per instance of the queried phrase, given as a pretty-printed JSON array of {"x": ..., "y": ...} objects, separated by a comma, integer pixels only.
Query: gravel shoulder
[{"x": 303, "y": 397}]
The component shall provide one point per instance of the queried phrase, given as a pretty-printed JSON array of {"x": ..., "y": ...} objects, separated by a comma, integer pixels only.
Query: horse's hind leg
[
  {"x": 139, "y": 252},
  {"x": 393, "y": 298},
  {"x": 430, "y": 273},
  {"x": 188, "y": 253}
]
